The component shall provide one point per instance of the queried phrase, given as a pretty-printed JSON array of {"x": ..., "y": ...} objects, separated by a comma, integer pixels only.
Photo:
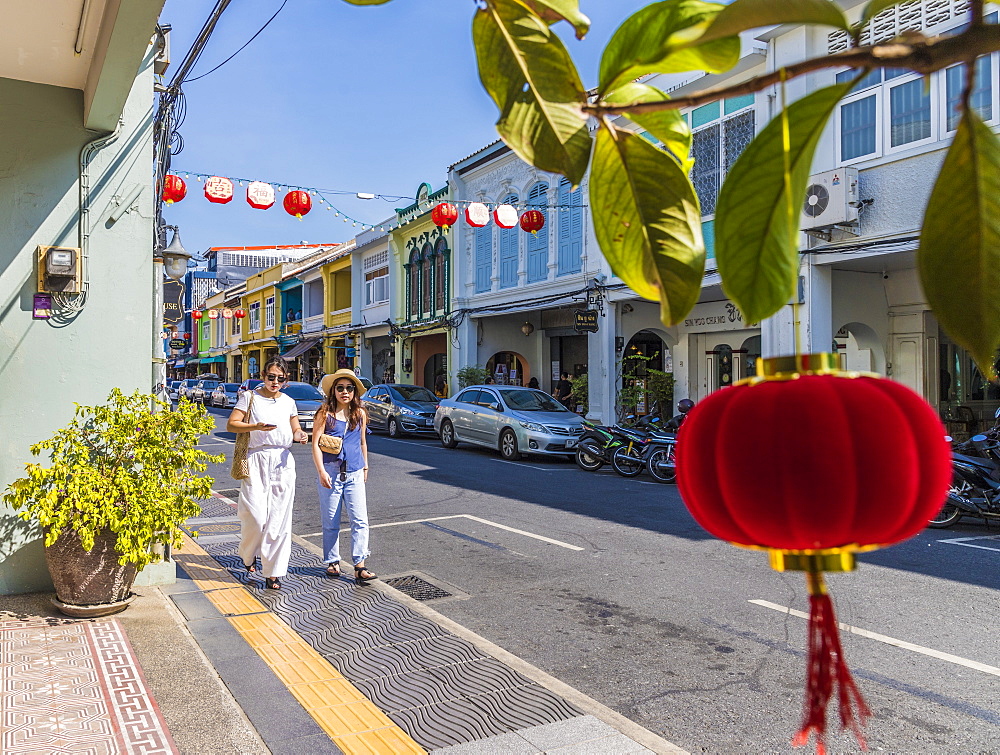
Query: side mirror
[{"x": 495, "y": 407}]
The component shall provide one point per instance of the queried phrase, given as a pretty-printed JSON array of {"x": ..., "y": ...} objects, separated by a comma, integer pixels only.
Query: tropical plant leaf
[
  {"x": 552, "y": 11},
  {"x": 529, "y": 74},
  {"x": 665, "y": 37},
  {"x": 961, "y": 273},
  {"x": 668, "y": 126},
  {"x": 647, "y": 221},
  {"x": 752, "y": 14},
  {"x": 757, "y": 215}
]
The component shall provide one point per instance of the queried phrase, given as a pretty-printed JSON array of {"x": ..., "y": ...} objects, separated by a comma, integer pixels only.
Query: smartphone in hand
[{"x": 269, "y": 427}]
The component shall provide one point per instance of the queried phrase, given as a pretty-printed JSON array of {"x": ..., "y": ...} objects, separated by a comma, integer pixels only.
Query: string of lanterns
[
  {"x": 215, "y": 314},
  {"x": 478, "y": 215}
]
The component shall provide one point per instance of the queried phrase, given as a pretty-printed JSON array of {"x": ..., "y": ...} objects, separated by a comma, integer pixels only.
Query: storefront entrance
[
  {"x": 508, "y": 368},
  {"x": 725, "y": 358}
]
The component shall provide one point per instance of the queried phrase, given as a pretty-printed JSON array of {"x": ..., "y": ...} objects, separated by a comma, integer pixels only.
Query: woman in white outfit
[
  {"x": 265, "y": 504},
  {"x": 342, "y": 477}
]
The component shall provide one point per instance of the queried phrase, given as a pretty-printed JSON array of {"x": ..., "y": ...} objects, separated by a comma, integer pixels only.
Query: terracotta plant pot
[{"x": 89, "y": 583}]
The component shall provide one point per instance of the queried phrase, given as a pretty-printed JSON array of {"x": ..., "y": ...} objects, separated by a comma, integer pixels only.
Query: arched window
[
  {"x": 538, "y": 243},
  {"x": 484, "y": 258},
  {"x": 413, "y": 283},
  {"x": 570, "y": 229},
  {"x": 440, "y": 275},
  {"x": 426, "y": 282},
  {"x": 508, "y": 250}
]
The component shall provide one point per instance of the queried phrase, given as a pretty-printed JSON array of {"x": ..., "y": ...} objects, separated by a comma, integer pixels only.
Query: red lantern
[
  {"x": 260, "y": 195},
  {"x": 239, "y": 314},
  {"x": 840, "y": 462},
  {"x": 477, "y": 215},
  {"x": 213, "y": 314},
  {"x": 444, "y": 215},
  {"x": 174, "y": 189},
  {"x": 532, "y": 221},
  {"x": 196, "y": 315},
  {"x": 298, "y": 203},
  {"x": 219, "y": 190},
  {"x": 505, "y": 216}
]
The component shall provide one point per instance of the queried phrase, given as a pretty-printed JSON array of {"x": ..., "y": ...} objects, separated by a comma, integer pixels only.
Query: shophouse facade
[
  {"x": 75, "y": 103},
  {"x": 420, "y": 293},
  {"x": 373, "y": 279}
]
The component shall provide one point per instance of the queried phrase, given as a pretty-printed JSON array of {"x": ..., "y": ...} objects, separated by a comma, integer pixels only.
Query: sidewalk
[{"x": 216, "y": 664}]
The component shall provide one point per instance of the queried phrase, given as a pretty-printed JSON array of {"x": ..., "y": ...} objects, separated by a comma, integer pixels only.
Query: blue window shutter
[
  {"x": 484, "y": 258},
  {"x": 570, "y": 229},
  {"x": 538, "y": 243},
  {"x": 508, "y": 251}
]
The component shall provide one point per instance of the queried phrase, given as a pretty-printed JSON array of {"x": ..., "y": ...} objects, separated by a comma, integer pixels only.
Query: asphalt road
[{"x": 610, "y": 585}]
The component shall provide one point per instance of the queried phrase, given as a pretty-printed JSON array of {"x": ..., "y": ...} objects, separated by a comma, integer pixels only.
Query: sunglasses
[
  {"x": 276, "y": 378},
  {"x": 345, "y": 388}
]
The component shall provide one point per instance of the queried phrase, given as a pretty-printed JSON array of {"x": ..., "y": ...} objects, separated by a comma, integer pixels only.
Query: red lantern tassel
[{"x": 826, "y": 668}]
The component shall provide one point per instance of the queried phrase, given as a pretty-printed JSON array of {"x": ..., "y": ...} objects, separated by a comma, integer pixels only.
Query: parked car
[
  {"x": 308, "y": 399},
  {"x": 202, "y": 390},
  {"x": 225, "y": 395},
  {"x": 248, "y": 385},
  {"x": 512, "y": 419},
  {"x": 398, "y": 408},
  {"x": 184, "y": 389},
  {"x": 172, "y": 386}
]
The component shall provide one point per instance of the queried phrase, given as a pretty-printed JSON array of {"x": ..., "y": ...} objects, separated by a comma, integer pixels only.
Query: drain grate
[
  {"x": 417, "y": 588},
  {"x": 231, "y": 493}
]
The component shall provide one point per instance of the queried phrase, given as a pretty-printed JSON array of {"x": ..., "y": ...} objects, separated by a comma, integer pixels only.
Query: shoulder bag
[
  {"x": 331, "y": 444},
  {"x": 240, "y": 469}
]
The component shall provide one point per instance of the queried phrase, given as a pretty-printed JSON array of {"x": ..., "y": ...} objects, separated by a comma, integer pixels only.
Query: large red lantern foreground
[
  {"x": 839, "y": 462},
  {"x": 532, "y": 221},
  {"x": 444, "y": 215},
  {"x": 297, "y": 203},
  {"x": 174, "y": 189}
]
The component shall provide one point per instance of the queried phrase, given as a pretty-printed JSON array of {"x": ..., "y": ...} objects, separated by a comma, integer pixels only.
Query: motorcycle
[
  {"x": 661, "y": 461},
  {"x": 621, "y": 447},
  {"x": 975, "y": 487}
]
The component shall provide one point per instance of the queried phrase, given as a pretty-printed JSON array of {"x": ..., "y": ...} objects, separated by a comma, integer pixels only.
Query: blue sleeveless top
[{"x": 351, "y": 449}]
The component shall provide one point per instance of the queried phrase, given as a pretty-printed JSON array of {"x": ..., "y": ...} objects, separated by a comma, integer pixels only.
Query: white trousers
[{"x": 265, "y": 509}]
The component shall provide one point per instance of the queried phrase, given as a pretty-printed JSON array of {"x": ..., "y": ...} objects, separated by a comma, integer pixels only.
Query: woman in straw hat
[{"x": 342, "y": 476}]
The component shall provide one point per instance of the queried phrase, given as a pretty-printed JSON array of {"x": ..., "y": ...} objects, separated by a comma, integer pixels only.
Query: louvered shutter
[
  {"x": 570, "y": 229},
  {"x": 538, "y": 243},
  {"x": 484, "y": 258},
  {"x": 508, "y": 251}
]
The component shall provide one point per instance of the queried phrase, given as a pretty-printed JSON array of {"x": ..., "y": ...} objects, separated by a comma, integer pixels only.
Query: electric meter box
[{"x": 59, "y": 269}]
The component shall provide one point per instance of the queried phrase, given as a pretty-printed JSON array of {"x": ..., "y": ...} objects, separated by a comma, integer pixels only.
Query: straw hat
[{"x": 328, "y": 381}]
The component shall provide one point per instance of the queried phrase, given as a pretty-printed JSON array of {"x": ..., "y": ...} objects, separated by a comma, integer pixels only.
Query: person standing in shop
[{"x": 266, "y": 496}]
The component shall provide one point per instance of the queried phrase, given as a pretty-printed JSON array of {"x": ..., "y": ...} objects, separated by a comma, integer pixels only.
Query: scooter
[
  {"x": 661, "y": 460},
  {"x": 975, "y": 487}
]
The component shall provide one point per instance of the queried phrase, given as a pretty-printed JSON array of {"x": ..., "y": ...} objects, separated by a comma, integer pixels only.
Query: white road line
[
  {"x": 216, "y": 443},
  {"x": 964, "y": 541},
  {"x": 410, "y": 442},
  {"x": 529, "y": 466},
  {"x": 993, "y": 670},
  {"x": 473, "y": 518}
]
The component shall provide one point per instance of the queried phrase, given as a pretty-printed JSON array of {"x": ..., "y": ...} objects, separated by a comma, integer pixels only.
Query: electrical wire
[{"x": 283, "y": 4}]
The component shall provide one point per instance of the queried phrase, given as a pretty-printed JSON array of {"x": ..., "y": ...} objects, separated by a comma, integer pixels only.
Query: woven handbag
[
  {"x": 240, "y": 469},
  {"x": 330, "y": 444}
]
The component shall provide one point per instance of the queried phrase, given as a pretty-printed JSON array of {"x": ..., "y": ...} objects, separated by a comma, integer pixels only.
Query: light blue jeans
[{"x": 350, "y": 494}]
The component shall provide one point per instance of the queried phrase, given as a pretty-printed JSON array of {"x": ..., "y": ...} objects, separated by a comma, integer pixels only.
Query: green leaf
[
  {"x": 752, "y": 14},
  {"x": 665, "y": 37},
  {"x": 668, "y": 126},
  {"x": 647, "y": 221},
  {"x": 527, "y": 71},
  {"x": 757, "y": 215},
  {"x": 959, "y": 255},
  {"x": 552, "y": 11}
]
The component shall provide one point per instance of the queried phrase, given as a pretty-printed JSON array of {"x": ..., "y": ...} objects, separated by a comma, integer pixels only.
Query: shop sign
[
  {"x": 717, "y": 316},
  {"x": 177, "y": 343},
  {"x": 586, "y": 320},
  {"x": 173, "y": 302}
]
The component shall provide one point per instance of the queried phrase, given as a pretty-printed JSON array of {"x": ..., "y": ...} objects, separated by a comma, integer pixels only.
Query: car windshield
[
  {"x": 411, "y": 393},
  {"x": 209, "y": 383},
  {"x": 232, "y": 386},
  {"x": 303, "y": 392},
  {"x": 532, "y": 401}
]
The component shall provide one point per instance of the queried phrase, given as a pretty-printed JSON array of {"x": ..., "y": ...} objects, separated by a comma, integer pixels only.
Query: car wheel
[
  {"x": 508, "y": 446},
  {"x": 448, "y": 435},
  {"x": 392, "y": 427}
]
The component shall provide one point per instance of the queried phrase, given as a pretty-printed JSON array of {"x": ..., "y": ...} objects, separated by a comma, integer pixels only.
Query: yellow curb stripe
[{"x": 351, "y": 720}]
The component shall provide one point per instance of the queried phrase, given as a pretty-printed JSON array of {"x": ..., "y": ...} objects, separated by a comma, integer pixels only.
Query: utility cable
[{"x": 283, "y": 4}]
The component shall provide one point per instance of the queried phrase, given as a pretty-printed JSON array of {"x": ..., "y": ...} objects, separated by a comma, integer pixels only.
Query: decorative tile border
[{"x": 74, "y": 686}]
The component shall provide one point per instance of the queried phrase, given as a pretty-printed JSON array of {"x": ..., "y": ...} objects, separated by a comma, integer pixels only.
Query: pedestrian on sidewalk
[
  {"x": 342, "y": 476},
  {"x": 266, "y": 496}
]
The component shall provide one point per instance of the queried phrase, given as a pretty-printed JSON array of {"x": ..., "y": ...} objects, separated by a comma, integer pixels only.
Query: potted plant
[
  {"x": 580, "y": 393},
  {"x": 123, "y": 478},
  {"x": 471, "y": 376}
]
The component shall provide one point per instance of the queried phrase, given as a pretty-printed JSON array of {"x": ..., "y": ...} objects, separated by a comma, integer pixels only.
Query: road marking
[
  {"x": 529, "y": 466},
  {"x": 473, "y": 518},
  {"x": 477, "y": 540},
  {"x": 964, "y": 541},
  {"x": 993, "y": 670},
  {"x": 216, "y": 443},
  {"x": 411, "y": 443}
]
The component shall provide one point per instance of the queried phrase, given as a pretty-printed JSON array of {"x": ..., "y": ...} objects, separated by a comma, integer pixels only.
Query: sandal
[
  {"x": 252, "y": 568},
  {"x": 333, "y": 570},
  {"x": 362, "y": 574},
  {"x": 272, "y": 583}
]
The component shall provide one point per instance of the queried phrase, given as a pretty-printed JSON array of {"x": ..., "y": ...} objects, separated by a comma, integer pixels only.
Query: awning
[
  {"x": 211, "y": 360},
  {"x": 300, "y": 348}
]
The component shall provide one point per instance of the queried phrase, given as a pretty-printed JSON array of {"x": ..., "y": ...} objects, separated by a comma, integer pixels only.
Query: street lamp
[
  {"x": 173, "y": 262},
  {"x": 175, "y": 257}
]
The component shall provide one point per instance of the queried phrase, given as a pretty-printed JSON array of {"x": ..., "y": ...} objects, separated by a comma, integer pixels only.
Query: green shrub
[{"x": 471, "y": 376}]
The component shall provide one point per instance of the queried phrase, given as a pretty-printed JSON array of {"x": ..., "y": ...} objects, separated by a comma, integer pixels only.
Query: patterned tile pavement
[{"x": 74, "y": 686}]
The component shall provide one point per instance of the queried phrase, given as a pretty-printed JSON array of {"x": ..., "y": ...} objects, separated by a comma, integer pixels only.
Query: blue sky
[{"x": 362, "y": 99}]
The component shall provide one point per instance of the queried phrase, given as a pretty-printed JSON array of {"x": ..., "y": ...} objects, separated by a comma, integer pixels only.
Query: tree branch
[{"x": 914, "y": 52}]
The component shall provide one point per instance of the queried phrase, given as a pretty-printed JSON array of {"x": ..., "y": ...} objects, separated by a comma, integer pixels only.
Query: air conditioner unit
[{"x": 831, "y": 199}]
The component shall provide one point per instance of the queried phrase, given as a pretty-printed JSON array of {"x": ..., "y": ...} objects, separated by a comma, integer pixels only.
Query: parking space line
[
  {"x": 976, "y": 665},
  {"x": 964, "y": 541},
  {"x": 529, "y": 466}
]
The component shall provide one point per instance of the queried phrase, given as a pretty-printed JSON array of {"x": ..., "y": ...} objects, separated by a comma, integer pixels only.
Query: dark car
[
  {"x": 308, "y": 399},
  {"x": 224, "y": 395},
  {"x": 398, "y": 408},
  {"x": 202, "y": 390}
]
